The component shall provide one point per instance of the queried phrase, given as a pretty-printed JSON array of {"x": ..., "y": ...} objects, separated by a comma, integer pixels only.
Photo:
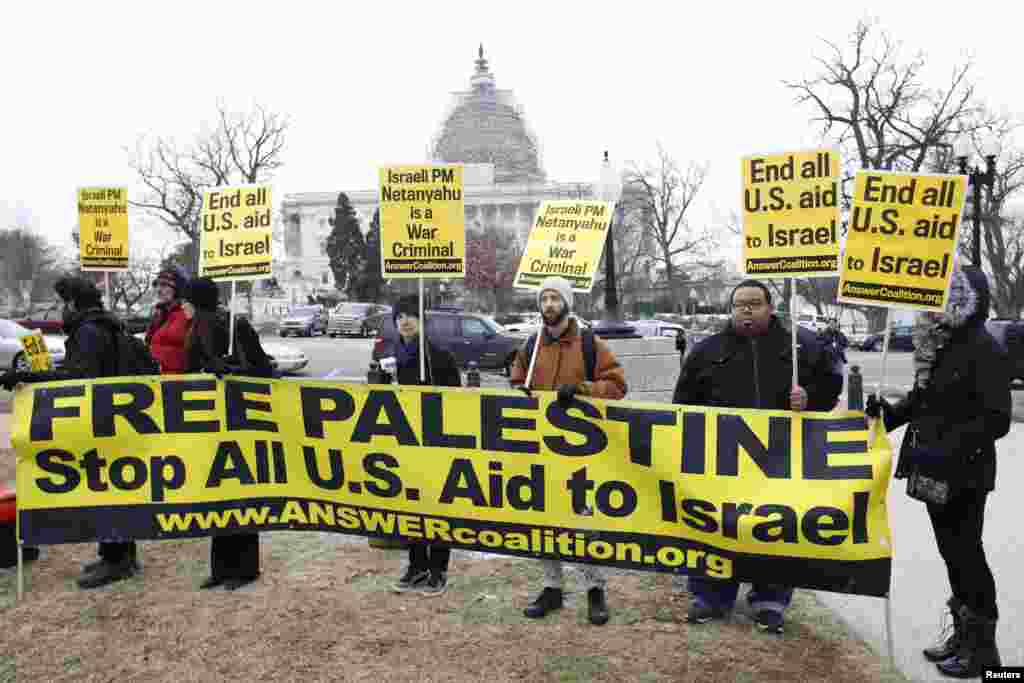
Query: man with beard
[
  {"x": 90, "y": 352},
  {"x": 573, "y": 362},
  {"x": 750, "y": 365}
]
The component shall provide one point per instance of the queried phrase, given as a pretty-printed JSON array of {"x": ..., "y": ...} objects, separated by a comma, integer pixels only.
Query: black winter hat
[
  {"x": 83, "y": 293},
  {"x": 410, "y": 305},
  {"x": 202, "y": 293},
  {"x": 175, "y": 277}
]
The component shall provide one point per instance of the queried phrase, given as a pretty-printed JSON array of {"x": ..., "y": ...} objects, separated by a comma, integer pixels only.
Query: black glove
[
  {"x": 13, "y": 378},
  {"x": 565, "y": 394},
  {"x": 525, "y": 389},
  {"x": 681, "y": 342},
  {"x": 876, "y": 407}
]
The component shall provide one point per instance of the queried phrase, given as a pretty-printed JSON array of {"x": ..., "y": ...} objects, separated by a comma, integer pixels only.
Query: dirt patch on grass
[{"x": 323, "y": 612}]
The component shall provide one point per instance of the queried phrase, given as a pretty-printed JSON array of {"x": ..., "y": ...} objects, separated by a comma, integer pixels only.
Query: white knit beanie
[{"x": 557, "y": 284}]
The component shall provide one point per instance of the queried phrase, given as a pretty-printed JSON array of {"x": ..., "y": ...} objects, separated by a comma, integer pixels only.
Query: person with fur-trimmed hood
[
  {"x": 90, "y": 352},
  {"x": 959, "y": 406},
  {"x": 561, "y": 365}
]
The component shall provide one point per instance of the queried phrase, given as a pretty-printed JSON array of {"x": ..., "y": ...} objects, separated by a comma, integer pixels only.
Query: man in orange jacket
[{"x": 565, "y": 355}]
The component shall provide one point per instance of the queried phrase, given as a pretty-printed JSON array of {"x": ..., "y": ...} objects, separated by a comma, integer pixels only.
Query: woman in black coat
[
  {"x": 235, "y": 558},
  {"x": 427, "y": 572},
  {"x": 959, "y": 406}
]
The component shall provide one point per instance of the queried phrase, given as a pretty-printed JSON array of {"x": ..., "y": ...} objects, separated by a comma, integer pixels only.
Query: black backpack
[
  {"x": 589, "y": 351},
  {"x": 252, "y": 360},
  {"x": 132, "y": 356}
]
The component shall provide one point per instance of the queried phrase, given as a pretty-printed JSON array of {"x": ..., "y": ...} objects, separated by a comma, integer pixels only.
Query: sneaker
[
  {"x": 702, "y": 614},
  {"x": 435, "y": 585},
  {"x": 412, "y": 579},
  {"x": 768, "y": 621}
]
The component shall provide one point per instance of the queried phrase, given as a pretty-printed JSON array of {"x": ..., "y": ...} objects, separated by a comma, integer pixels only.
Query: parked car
[
  {"x": 899, "y": 340},
  {"x": 1010, "y": 335},
  {"x": 814, "y": 323},
  {"x": 349, "y": 318},
  {"x": 50, "y": 321},
  {"x": 525, "y": 324},
  {"x": 11, "y": 353},
  {"x": 856, "y": 339},
  {"x": 286, "y": 359},
  {"x": 656, "y": 328},
  {"x": 469, "y": 336},
  {"x": 304, "y": 321}
]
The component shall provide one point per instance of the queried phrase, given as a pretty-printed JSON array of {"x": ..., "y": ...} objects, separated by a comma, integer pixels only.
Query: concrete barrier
[{"x": 651, "y": 365}]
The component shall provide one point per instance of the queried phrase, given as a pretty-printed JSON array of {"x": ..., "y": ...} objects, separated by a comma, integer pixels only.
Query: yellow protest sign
[
  {"x": 235, "y": 240},
  {"x": 791, "y": 214},
  {"x": 753, "y": 495},
  {"x": 36, "y": 353},
  {"x": 103, "y": 228},
  {"x": 567, "y": 240},
  {"x": 902, "y": 239},
  {"x": 422, "y": 221}
]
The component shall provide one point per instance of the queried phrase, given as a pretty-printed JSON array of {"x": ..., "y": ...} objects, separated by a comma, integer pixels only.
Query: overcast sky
[{"x": 364, "y": 84}]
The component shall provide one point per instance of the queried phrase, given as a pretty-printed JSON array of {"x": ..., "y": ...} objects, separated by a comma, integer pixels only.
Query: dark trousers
[
  {"x": 721, "y": 594},
  {"x": 424, "y": 556},
  {"x": 235, "y": 557},
  {"x": 117, "y": 552},
  {"x": 958, "y": 526}
]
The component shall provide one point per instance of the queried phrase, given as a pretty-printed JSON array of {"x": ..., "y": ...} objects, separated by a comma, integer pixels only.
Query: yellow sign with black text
[
  {"x": 902, "y": 239},
  {"x": 103, "y": 228},
  {"x": 791, "y": 214},
  {"x": 422, "y": 221},
  {"x": 773, "y": 496},
  {"x": 236, "y": 233},
  {"x": 567, "y": 239},
  {"x": 36, "y": 353}
]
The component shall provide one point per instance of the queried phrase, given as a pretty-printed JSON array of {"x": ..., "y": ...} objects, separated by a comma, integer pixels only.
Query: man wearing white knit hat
[{"x": 572, "y": 362}]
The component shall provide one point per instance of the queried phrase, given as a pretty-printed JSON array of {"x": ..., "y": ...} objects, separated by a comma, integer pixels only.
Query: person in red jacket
[{"x": 167, "y": 333}]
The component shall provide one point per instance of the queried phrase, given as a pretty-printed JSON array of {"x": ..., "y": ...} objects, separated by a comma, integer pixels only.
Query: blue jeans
[{"x": 721, "y": 595}]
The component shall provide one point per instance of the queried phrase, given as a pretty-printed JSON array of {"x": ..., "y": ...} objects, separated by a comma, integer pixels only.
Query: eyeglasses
[{"x": 749, "y": 306}]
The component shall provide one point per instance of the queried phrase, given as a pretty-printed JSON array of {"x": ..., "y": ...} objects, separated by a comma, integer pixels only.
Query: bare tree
[
  {"x": 633, "y": 255},
  {"x": 27, "y": 266},
  {"x": 1003, "y": 236},
  {"x": 663, "y": 195},
  {"x": 241, "y": 148},
  {"x": 873, "y": 103}
]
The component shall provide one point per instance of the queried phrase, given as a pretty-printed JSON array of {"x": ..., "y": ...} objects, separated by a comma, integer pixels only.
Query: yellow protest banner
[
  {"x": 422, "y": 221},
  {"x": 36, "y": 353},
  {"x": 567, "y": 240},
  {"x": 103, "y": 228},
  {"x": 791, "y": 214},
  {"x": 235, "y": 240},
  {"x": 773, "y": 496},
  {"x": 902, "y": 239}
]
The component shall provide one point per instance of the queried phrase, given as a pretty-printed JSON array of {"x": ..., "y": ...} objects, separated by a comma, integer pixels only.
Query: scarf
[{"x": 933, "y": 331}]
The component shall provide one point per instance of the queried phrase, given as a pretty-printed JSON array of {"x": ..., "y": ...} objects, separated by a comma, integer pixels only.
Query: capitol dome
[{"x": 486, "y": 126}]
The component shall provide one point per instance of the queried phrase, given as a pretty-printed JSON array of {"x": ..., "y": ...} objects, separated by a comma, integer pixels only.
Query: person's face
[
  {"x": 551, "y": 307},
  {"x": 751, "y": 312},
  {"x": 408, "y": 325},
  {"x": 189, "y": 309},
  {"x": 165, "y": 294}
]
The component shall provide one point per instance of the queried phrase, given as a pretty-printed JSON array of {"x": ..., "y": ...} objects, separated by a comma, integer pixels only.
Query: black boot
[
  {"x": 108, "y": 572},
  {"x": 978, "y": 649},
  {"x": 549, "y": 600},
  {"x": 949, "y": 643},
  {"x": 597, "y": 608}
]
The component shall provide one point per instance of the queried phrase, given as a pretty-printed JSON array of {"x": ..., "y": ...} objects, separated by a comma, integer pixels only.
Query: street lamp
[
  {"x": 977, "y": 179},
  {"x": 609, "y": 189}
]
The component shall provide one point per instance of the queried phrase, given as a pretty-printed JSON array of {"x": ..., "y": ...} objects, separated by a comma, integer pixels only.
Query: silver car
[
  {"x": 11, "y": 353},
  {"x": 349, "y": 318}
]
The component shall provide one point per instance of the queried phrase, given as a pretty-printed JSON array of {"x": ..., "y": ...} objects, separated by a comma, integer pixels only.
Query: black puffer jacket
[
  {"x": 441, "y": 369},
  {"x": 734, "y": 371},
  {"x": 90, "y": 350},
  {"x": 967, "y": 404}
]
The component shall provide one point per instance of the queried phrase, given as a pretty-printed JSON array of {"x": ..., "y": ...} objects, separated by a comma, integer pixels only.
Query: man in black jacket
[
  {"x": 90, "y": 352},
  {"x": 750, "y": 365}
]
